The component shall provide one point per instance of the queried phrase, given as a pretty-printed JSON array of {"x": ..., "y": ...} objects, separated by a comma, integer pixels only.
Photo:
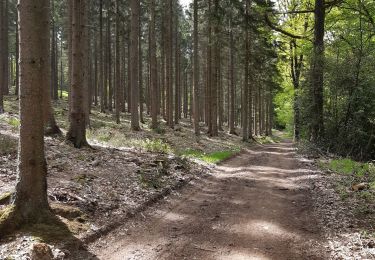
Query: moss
[
  {"x": 55, "y": 229},
  {"x": 66, "y": 211},
  {"x": 9, "y": 220}
]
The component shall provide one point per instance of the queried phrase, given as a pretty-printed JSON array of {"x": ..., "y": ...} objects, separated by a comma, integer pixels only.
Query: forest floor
[{"x": 261, "y": 201}]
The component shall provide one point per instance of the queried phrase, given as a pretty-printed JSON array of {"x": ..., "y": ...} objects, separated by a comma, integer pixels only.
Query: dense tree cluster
[{"x": 157, "y": 58}]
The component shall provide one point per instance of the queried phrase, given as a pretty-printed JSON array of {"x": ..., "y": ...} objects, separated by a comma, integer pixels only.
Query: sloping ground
[{"x": 255, "y": 206}]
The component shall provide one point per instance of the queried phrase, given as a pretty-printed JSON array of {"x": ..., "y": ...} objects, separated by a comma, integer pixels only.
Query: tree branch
[{"x": 274, "y": 27}]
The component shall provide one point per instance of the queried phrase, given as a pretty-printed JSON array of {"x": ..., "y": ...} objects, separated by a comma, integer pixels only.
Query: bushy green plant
[{"x": 157, "y": 146}]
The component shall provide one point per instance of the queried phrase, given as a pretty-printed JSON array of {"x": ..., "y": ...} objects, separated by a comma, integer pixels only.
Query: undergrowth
[{"x": 352, "y": 175}]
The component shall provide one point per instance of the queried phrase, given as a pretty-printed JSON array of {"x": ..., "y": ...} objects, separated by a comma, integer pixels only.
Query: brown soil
[{"x": 256, "y": 205}]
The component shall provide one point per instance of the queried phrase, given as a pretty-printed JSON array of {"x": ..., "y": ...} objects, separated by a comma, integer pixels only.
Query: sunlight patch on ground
[
  {"x": 171, "y": 216},
  {"x": 243, "y": 256},
  {"x": 262, "y": 228}
]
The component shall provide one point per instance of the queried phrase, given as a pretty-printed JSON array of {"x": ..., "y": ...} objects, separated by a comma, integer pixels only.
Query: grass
[
  {"x": 352, "y": 173},
  {"x": 214, "y": 157}
]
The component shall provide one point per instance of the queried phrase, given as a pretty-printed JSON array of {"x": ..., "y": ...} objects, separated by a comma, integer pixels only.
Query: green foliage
[
  {"x": 348, "y": 166},
  {"x": 157, "y": 146},
  {"x": 352, "y": 173},
  {"x": 14, "y": 122},
  {"x": 159, "y": 130},
  {"x": 214, "y": 157}
]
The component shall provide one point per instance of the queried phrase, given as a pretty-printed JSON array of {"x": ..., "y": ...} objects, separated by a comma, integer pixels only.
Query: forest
[{"x": 187, "y": 129}]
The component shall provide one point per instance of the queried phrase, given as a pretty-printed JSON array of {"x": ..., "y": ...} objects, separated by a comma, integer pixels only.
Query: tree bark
[
  {"x": 101, "y": 58},
  {"x": 31, "y": 188},
  {"x": 153, "y": 69},
  {"x": 134, "y": 56},
  {"x": 169, "y": 66},
  {"x": 317, "y": 73},
  {"x": 77, "y": 128},
  {"x": 196, "y": 72},
  {"x": 232, "y": 96},
  {"x": 2, "y": 50},
  {"x": 119, "y": 88},
  {"x": 245, "y": 95}
]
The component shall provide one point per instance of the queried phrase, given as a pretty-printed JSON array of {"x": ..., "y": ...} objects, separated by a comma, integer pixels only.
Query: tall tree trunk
[
  {"x": 109, "y": 58},
  {"x": 31, "y": 189},
  {"x": 96, "y": 83},
  {"x": 196, "y": 114},
  {"x": 177, "y": 107},
  {"x": 169, "y": 66},
  {"x": 54, "y": 71},
  {"x": 245, "y": 95},
  {"x": 2, "y": 50},
  {"x": 77, "y": 128},
  {"x": 153, "y": 69},
  {"x": 5, "y": 47},
  {"x": 317, "y": 73},
  {"x": 214, "y": 80},
  {"x": 17, "y": 64},
  {"x": 135, "y": 11},
  {"x": 119, "y": 88},
  {"x": 209, "y": 71},
  {"x": 140, "y": 71},
  {"x": 232, "y": 96},
  {"x": 61, "y": 70},
  {"x": 295, "y": 67},
  {"x": 101, "y": 58}
]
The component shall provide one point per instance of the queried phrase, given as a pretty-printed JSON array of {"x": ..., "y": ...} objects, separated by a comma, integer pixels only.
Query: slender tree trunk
[
  {"x": 96, "y": 83},
  {"x": 62, "y": 81},
  {"x": 2, "y": 50},
  {"x": 214, "y": 72},
  {"x": 54, "y": 58},
  {"x": 169, "y": 66},
  {"x": 129, "y": 71},
  {"x": 177, "y": 108},
  {"x": 17, "y": 64},
  {"x": 101, "y": 58},
  {"x": 245, "y": 95},
  {"x": 135, "y": 12},
  {"x": 232, "y": 98},
  {"x": 5, "y": 47},
  {"x": 77, "y": 128},
  {"x": 153, "y": 69},
  {"x": 196, "y": 72},
  {"x": 109, "y": 58},
  {"x": 119, "y": 88},
  {"x": 140, "y": 71}
]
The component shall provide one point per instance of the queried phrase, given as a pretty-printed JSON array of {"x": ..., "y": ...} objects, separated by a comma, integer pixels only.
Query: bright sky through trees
[{"x": 185, "y": 3}]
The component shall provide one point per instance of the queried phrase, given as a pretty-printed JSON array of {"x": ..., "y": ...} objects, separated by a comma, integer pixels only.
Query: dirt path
[{"x": 255, "y": 206}]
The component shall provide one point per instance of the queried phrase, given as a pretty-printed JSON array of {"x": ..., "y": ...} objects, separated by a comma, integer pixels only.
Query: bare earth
[{"x": 256, "y": 205}]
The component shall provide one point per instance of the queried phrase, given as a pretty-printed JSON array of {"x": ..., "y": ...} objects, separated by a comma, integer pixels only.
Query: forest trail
[{"x": 256, "y": 205}]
